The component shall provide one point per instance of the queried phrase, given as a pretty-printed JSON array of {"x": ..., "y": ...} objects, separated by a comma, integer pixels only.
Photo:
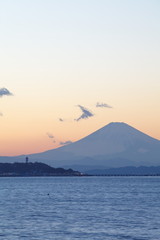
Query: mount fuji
[{"x": 114, "y": 145}]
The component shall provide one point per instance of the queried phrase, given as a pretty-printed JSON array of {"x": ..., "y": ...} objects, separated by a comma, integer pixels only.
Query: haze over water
[{"x": 112, "y": 208}]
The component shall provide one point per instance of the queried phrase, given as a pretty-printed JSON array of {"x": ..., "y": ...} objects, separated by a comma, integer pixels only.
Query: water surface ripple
[{"x": 68, "y": 208}]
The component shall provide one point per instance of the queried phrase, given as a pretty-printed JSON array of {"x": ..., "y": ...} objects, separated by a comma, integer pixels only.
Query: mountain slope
[
  {"x": 114, "y": 145},
  {"x": 111, "y": 139}
]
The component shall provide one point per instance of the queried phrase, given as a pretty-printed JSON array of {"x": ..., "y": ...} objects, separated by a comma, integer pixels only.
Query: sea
[{"x": 68, "y": 208}]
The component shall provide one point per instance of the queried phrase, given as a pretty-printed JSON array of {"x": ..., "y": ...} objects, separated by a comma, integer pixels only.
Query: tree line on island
[
  {"x": 34, "y": 169},
  {"x": 41, "y": 169}
]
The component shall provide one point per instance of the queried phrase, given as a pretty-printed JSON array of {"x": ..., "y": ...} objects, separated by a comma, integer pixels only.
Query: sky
[{"x": 70, "y": 67}]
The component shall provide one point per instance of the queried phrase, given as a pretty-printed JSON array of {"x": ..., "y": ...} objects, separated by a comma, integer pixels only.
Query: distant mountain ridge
[
  {"x": 114, "y": 145},
  {"x": 127, "y": 171}
]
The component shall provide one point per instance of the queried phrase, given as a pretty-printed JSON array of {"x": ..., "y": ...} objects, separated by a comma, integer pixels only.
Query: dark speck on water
[{"x": 93, "y": 208}]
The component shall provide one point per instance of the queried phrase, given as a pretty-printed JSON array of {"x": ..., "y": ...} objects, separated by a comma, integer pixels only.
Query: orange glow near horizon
[
  {"x": 30, "y": 145},
  {"x": 56, "y": 63}
]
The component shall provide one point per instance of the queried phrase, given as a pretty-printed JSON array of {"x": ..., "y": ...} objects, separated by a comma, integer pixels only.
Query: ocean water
[{"x": 68, "y": 208}]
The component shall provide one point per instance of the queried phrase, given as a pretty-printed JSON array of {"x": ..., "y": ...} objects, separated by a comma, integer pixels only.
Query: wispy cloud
[
  {"x": 65, "y": 143},
  {"x": 103, "y": 105},
  {"x": 61, "y": 119},
  {"x": 1, "y": 114},
  {"x": 85, "y": 113},
  {"x": 5, "y": 92},
  {"x": 50, "y": 135}
]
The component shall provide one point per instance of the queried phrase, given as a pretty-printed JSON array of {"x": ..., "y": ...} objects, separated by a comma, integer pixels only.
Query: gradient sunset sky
[{"x": 70, "y": 67}]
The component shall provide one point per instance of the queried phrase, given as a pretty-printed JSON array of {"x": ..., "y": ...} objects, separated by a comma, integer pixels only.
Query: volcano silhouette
[{"x": 114, "y": 145}]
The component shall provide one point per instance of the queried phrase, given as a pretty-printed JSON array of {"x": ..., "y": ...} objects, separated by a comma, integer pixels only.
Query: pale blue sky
[{"x": 59, "y": 54}]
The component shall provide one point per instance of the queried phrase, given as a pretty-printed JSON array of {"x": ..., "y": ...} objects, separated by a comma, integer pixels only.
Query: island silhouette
[{"x": 34, "y": 169}]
